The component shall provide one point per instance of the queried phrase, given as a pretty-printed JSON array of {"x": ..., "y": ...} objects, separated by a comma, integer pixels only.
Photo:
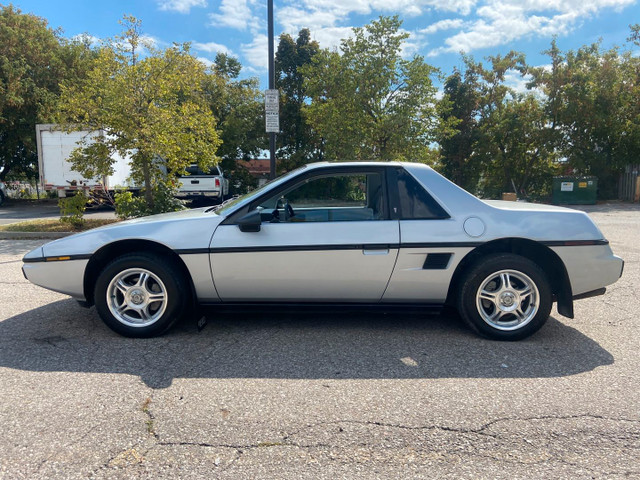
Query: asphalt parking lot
[
  {"x": 302, "y": 394},
  {"x": 20, "y": 211}
]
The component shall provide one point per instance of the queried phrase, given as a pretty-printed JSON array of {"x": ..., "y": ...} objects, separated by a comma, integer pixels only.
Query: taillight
[{"x": 217, "y": 182}]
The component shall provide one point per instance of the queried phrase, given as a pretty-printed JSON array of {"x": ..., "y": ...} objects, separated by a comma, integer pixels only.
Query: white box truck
[
  {"x": 55, "y": 147},
  {"x": 56, "y": 174}
]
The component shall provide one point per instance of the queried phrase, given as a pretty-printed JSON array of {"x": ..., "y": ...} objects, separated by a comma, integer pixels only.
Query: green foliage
[
  {"x": 72, "y": 209},
  {"x": 297, "y": 143},
  {"x": 368, "y": 103},
  {"x": 150, "y": 104},
  {"x": 238, "y": 107},
  {"x": 459, "y": 111},
  {"x": 515, "y": 150},
  {"x": 502, "y": 139},
  {"x": 33, "y": 60},
  {"x": 130, "y": 205},
  {"x": 594, "y": 109}
]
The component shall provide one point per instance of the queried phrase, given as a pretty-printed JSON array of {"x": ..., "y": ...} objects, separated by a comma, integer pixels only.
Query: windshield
[{"x": 230, "y": 204}]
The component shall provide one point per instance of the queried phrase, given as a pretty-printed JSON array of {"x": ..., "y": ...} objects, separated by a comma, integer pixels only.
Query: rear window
[
  {"x": 415, "y": 201},
  {"x": 195, "y": 170}
]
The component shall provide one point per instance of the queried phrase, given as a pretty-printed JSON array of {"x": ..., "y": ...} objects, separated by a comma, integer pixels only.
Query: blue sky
[{"x": 439, "y": 29}]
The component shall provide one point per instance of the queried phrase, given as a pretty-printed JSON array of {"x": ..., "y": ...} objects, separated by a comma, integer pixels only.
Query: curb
[{"x": 34, "y": 235}]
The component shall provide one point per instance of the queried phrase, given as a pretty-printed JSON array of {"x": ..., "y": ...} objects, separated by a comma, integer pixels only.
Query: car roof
[{"x": 364, "y": 164}]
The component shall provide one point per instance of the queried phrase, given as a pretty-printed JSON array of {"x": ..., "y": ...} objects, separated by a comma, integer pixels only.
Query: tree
[
  {"x": 297, "y": 142},
  {"x": 515, "y": 149},
  {"x": 459, "y": 108},
  {"x": 514, "y": 145},
  {"x": 238, "y": 108},
  {"x": 502, "y": 139},
  {"x": 150, "y": 105},
  {"x": 593, "y": 104},
  {"x": 33, "y": 60},
  {"x": 369, "y": 103}
]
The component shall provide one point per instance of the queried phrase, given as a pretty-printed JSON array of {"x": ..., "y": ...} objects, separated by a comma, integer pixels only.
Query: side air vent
[{"x": 437, "y": 261}]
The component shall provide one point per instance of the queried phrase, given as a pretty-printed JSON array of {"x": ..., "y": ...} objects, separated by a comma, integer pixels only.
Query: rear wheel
[
  {"x": 505, "y": 297},
  {"x": 141, "y": 295}
]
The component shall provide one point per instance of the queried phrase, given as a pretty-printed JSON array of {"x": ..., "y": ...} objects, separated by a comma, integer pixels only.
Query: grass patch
[{"x": 54, "y": 225}]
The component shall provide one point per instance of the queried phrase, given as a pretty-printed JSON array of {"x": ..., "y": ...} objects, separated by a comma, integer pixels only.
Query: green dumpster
[{"x": 575, "y": 190}]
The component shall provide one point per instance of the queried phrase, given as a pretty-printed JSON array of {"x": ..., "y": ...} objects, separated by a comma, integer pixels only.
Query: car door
[
  {"x": 326, "y": 236},
  {"x": 432, "y": 244}
]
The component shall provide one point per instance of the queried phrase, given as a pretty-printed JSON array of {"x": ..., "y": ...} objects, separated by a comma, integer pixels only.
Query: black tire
[
  {"x": 510, "y": 313},
  {"x": 1, "y": 197},
  {"x": 143, "y": 275}
]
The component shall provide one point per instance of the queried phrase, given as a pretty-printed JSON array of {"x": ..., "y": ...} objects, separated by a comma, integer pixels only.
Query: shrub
[
  {"x": 129, "y": 205},
  {"x": 72, "y": 209}
]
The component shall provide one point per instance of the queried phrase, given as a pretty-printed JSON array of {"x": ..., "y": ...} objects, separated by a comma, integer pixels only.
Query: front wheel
[
  {"x": 141, "y": 295},
  {"x": 505, "y": 297}
]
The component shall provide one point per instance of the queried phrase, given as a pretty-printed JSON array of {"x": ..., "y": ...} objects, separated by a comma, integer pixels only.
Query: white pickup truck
[{"x": 199, "y": 185}]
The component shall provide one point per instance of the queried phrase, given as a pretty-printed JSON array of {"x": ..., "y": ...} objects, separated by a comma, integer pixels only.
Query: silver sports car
[{"x": 347, "y": 233}]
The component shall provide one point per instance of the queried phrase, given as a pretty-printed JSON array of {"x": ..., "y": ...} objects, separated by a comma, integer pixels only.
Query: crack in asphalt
[
  {"x": 286, "y": 440},
  {"x": 478, "y": 431}
]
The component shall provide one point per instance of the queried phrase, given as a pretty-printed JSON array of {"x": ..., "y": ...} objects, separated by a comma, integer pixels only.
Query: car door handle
[{"x": 375, "y": 251}]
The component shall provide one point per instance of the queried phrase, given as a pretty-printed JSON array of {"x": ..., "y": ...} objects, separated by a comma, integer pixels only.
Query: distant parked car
[{"x": 347, "y": 233}]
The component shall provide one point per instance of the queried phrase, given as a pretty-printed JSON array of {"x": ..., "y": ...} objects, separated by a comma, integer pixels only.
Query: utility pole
[{"x": 272, "y": 101}]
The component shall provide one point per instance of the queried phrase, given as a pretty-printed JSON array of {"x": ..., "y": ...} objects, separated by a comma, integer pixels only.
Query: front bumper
[{"x": 60, "y": 276}]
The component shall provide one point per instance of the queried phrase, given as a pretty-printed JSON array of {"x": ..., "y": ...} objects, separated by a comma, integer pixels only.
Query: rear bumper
[
  {"x": 590, "y": 268},
  {"x": 197, "y": 194}
]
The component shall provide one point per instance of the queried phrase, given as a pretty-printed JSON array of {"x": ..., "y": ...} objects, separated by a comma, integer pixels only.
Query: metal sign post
[{"x": 271, "y": 116}]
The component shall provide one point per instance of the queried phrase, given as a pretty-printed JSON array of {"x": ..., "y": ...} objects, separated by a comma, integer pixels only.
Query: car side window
[
  {"x": 415, "y": 201},
  {"x": 330, "y": 198}
]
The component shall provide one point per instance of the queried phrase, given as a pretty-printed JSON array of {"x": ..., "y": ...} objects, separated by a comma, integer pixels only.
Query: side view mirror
[{"x": 250, "y": 222}]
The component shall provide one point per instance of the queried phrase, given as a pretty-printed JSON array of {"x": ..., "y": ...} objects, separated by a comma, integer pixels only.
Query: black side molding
[
  {"x": 437, "y": 261},
  {"x": 592, "y": 293},
  {"x": 58, "y": 258}
]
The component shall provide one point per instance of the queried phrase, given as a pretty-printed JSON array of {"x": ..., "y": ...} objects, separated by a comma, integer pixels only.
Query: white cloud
[
  {"x": 90, "y": 39},
  {"x": 294, "y": 19},
  {"x": 151, "y": 41},
  {"x": 330, "y": 37},
  {"x": 448, "y": 24},
  {"x": 503, "y": 21},
  {"x": 257, "y": 52},
  {"x": 211, "y": 47},
  {"x": 206, "y": 61},
  {"x": 316, "y": 14},
  {"x": 328, "y": 20},
  {"x": 181, "y": 6},
  {"x": 513, "y": 79},
  {"x": 237, "y": 14}
]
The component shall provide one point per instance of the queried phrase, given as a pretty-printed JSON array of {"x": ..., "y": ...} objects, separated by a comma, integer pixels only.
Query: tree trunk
[{"x": 146, "y": 172}]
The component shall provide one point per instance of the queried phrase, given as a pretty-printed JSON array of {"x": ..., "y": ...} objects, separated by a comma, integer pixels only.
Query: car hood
[{"x": 187, "y": 229}]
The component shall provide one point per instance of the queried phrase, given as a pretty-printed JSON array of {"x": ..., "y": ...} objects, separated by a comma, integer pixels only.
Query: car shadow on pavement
[{"x": 284, "y": 344}]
